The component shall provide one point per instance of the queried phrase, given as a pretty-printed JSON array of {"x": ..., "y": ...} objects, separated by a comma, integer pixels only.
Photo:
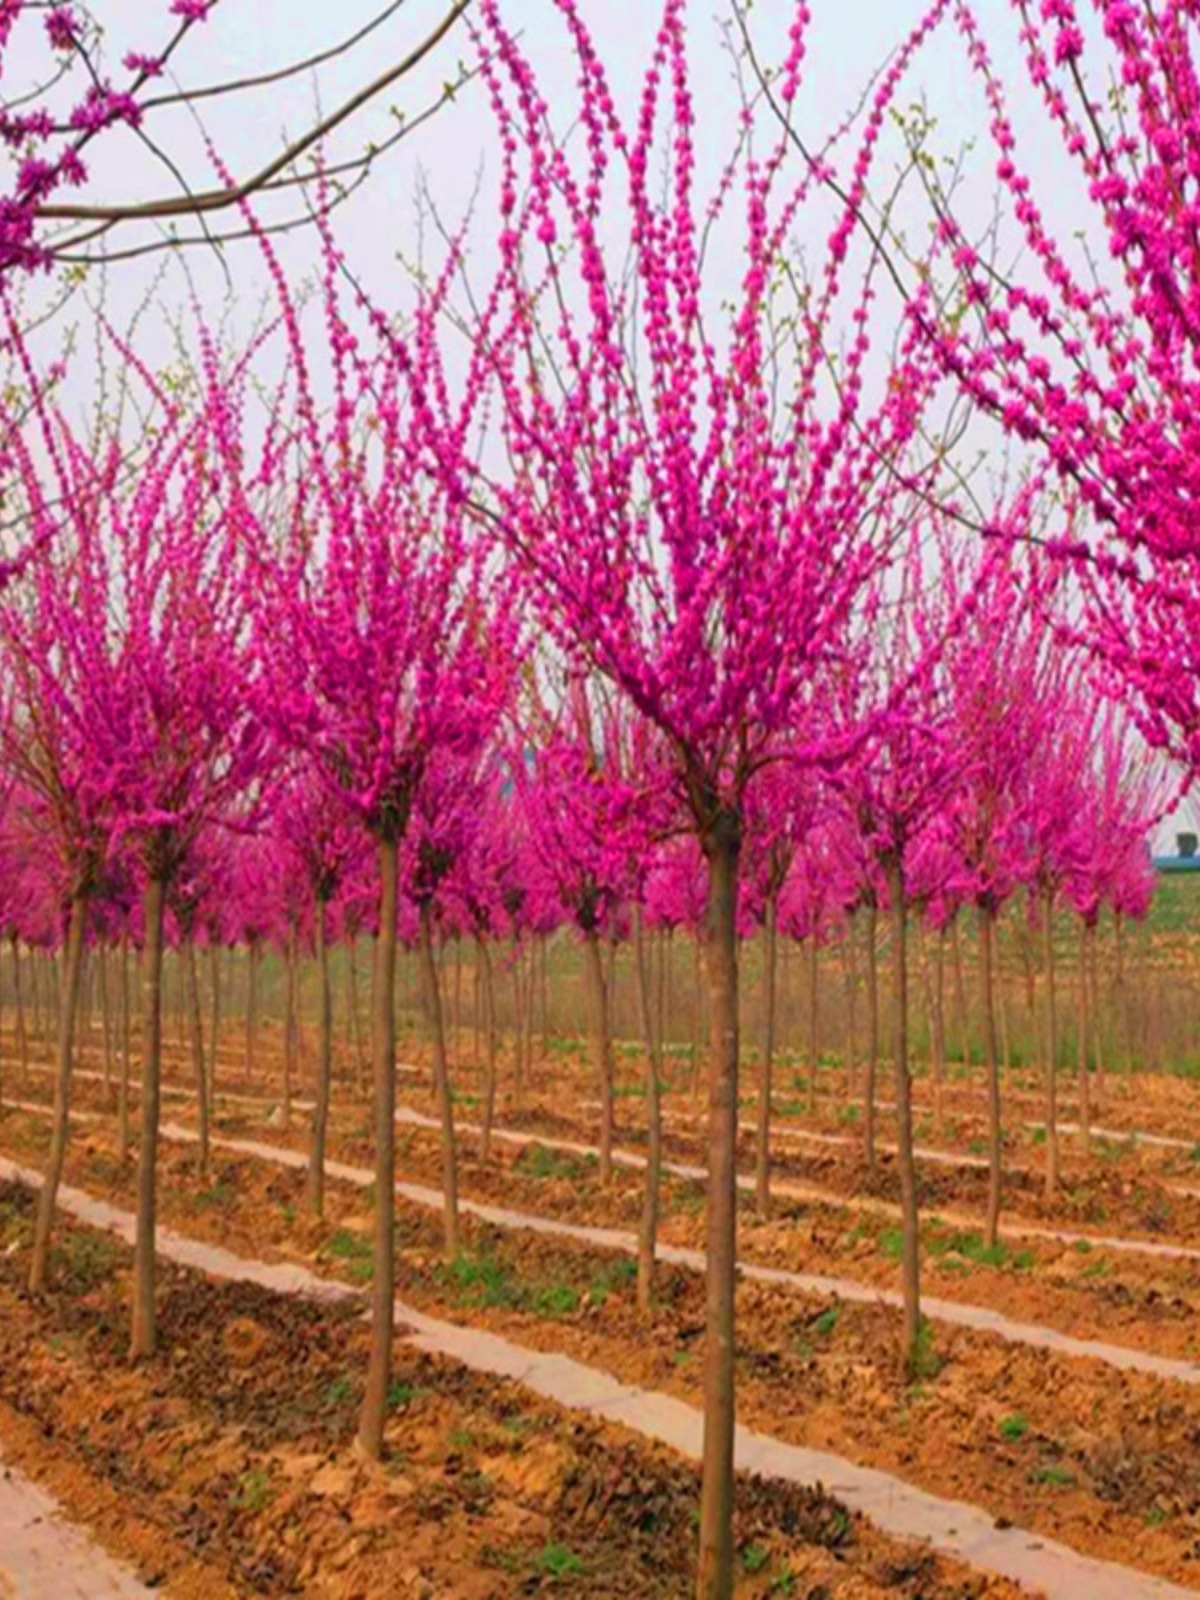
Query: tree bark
[
  {"x": 814, "y": 1020},
  {"x": 60, "y": 1123},
  {"x": 441, "y": 1082},
  {"x": 291, "y": 1021},
  {"x": 762, "y": 1150},
  {"x": 252, "y": 1009},
  {"x": 383, "y": 1031},
  {"x": 960, "y": 995},
  {"x": 850, "y": 955},
  {"x": 126, "y": 1052},
  {"x": 910, "y": 1267},
  {"x": 992, "y": 1067},
  {"x": 192, "y": 976},
  {"x": 601, "y": 1046},
  {"x": 144, "y": 1338},
  {"x": 214, "y": 1039},
  {"x": 1051, "y": 1045},
  {"x": 105, "y": 1023},
  {"x": 714, "y": 1579},
  {"x": 1085, "y": 1094},
  {"x": 938, "y": 1012},
  {"x": 487, "y": 978},
  {"x": 22, "y": 1036},
  {"x": 316, "y": 1156},
  {"x": 648, "y": 1231},
  {"x": 872, "y": 1030}
]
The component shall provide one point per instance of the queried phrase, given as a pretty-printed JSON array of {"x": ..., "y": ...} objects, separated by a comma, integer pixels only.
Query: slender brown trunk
[
  {"x": 661, "y": 941},
  {"x": 1002, "y": 1013},
  {"x": 762, "y": 1150},
  {"x": 962, "y": 1043},
  {"x": 910, "y": 1219},
  {"x": 697, "y": 1022},
  {"x": 291, "y": 1020},
  {"x": 192, "y": 976},
  {"x": 487, "y": 979},
  {"x": 252, "y": 1009},
  {"x": 601, "y": 1046},
  {"x": 992, "y": 1066},
  {"x": 1051, "y": 1045},
  {"x": 1085, "y": 1094},
  {"x": 648, "y": 1232},
  {"x": 383, "y": 1031},
  {"x": 60, "y": 1124},
  {"x": 872, "y": 1030},
  {"x": 1124, "y": 1031},
  {"x": 355, "y": 1019},
  {"x": 144, "y": 1338},
  {"x": 214, "y": 1036},
  {"x": 1092, "y": 969},
  {"x": 316, "y": 1156},
  {"x": 22, "y": 1036},
  {"x": 458, "y": 1027},
  {"x": 126, "y": 1052},
  {"x": 850, "y": 956},
  {"x": 441, "y": 1082},
  {"x": 814, "y": 1020},
  {"x": 714, "y": 1580},
  {"x": 105, "y": 1023},
  {"x": 938, "y": 1013}
]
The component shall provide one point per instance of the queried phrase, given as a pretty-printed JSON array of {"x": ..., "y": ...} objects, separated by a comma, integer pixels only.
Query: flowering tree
[
  {"x": 695, "y": 541},
  {"x": 379, "y": 652}
]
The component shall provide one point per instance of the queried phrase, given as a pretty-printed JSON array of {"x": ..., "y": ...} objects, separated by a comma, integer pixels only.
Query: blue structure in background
[{"x": 1186, "y": 857}]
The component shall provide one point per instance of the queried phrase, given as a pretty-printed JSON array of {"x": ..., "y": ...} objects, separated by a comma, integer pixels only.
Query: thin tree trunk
[
  {"x": 60, "y": 1123},
  {"x": 316, "y": 1157},
  {"x": 291, "y": 1020},
  {"x": 910, "y": 1219},
  {"x": 144, "y": 1338},
  {"x": 105, "y": 1023},
  {"x": 197, "y": 1033},
  {"x": 697, "y": 1027},
  {"x": 992, "y": 1066},
  {"x": 126, "y": 1052},
  {"x": 850, "y": 956},
  {"x": 872, "y": 1030},
  {"x": 1124, "y": 1031},
  {"x": 714, "y": 1579},
  {"x": 487, "y": 978},
  {"x": 355, "y": 1019},
  {"x": 1092, "y": 969},
  {"x": 458, "y": 1027},
  {"x": 762, "y": 1151},
  {"x": 814, "y": 1020},
  {"x": 22, "y": 1035},
  {"x": 648, "y": 1232},
  {"x": 938, "y": 1021},
  {"x": 214, "y": 1039},
  {"x": 441, "y": 1082},
  {"x": 1085, "y": 1094},
  {"x": 252, "y": 1009},
  {"x": 383, "y": 1287},
  {"x": 601, "y": 1046},
  {"x": 960, "y": 995},
  {"x": 1051, "y": 1046}
]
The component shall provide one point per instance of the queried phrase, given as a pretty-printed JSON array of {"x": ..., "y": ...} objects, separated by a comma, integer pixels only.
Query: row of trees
[{"x": 739, "y": 507}]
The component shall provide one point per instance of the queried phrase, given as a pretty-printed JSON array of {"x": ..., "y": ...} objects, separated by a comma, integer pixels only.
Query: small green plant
[
  {"x": 461, "y": 1439},
  {"x": 339, "y": 1391},
  {"x": 556, "y": 1300},
  {"x": 1038, "y": 1135},
  {"x": 754, "y": 1558},
  {"x": 1058, "y": 1476},
  {"x": 926, "y": 1363},
  {"x": 252, "y": 1491},
  {"x": 1014, "y": 1427},
  {"x": 217, "y": 1196},
  {"x": 828, "y": 1320},
  {"x": 558, "y": 1561},
  {"x": 403, "y": 1394},
  {"x": 480, "y": 1280},
  {"x": 783, "y": 1583},
  {"x": 891, "y": 1243}
]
